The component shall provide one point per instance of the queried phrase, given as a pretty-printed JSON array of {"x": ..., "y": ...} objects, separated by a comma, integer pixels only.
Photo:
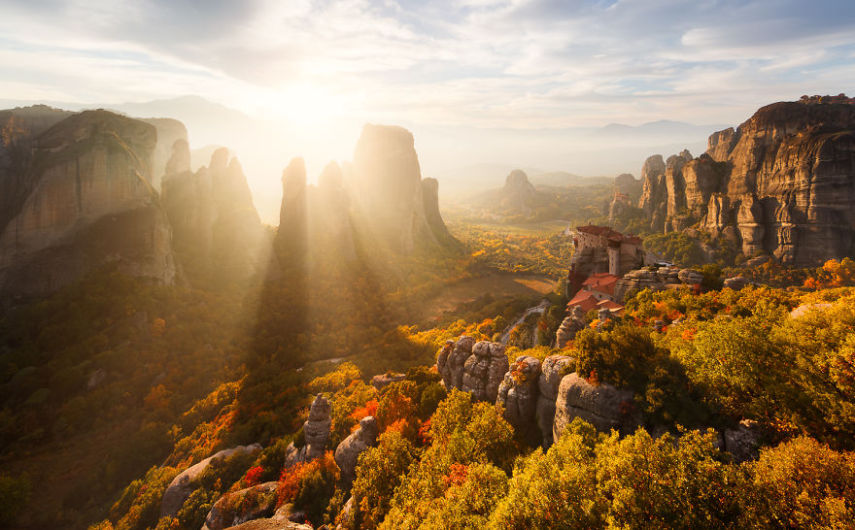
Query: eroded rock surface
[
  {"x": 185, "y": 482},
  {"x": 572, "y": 324},
  {"x": 551, "y": 373},
  {"x": 781, "y": 184},
  {"x": 243, "y": 505},
  {"x": 316, "y": 430},
  {"x": 484, "y": 370},
  {"x": 518, "y": 394},
  {"x": 603, "y": 406},
  {"x": 88, "y": 202},
  {"x": 348, "y": 451}
]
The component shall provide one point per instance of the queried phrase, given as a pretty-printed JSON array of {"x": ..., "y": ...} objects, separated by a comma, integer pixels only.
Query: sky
[{"x": 514, "y": 82}]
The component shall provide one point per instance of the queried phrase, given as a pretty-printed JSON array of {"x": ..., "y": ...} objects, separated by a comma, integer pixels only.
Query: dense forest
[{"x": 161, "y": 377}]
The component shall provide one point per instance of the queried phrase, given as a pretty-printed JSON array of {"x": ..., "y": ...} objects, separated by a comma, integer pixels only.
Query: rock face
[
  {"x": 217, "y": 233},
  {"x": 348, "y": 451},
  {"x": 572, "y": 324},
  {"x": 317, "y": 433},
  {"x": 782, "y": 183},
  {"x": 655, "y": 279},
  {"x": 83, "y": 200},
  {"x": 387, "y": 182},
  {"x": 292, "y": 236},
  {"x": 743, "y": 442},
  {"x": 518, "y": 394},
  {"x": 243, "y": 505},
  {"x": 736, "y": 282},
  {"x": 603, "y": 406},
  {"x": 185, "y": 482},
  {"x": 484, "y": 370},
  {"x": 518, "y": 195},
  {"x": 271, "y": 524},
  {"x": 169, "y": 131},
  {"x": 478, "y": 368},
  {"x": 547, "y": 384}
]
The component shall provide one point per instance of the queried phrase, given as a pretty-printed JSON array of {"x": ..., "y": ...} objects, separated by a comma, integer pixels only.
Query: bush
[{"x": 14, "y": 495}]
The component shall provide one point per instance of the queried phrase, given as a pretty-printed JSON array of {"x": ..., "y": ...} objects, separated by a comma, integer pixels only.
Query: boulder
[
  {"x": 348, "y": 451},
  {"x": 484, "y": 370},
  {"x": 271, "y": 524},
  {"x": 518, "y": 394},
  {"x": 690, "y": 277},
  {"x": 383, "y": 380},
  {"x": 743, "y": 442},
  {"x": 603, "y": 406},
  {"x": 243, "y": 505},
  {"x": 185, "y": 482},
  {"x": 736, "y": 282}
]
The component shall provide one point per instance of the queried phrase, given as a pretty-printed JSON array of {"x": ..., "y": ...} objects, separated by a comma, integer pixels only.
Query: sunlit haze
[{"x": 521, "y": 83}]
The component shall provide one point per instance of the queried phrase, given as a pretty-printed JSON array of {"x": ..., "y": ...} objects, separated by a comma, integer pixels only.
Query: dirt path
[{"x": 539, "y": 308}]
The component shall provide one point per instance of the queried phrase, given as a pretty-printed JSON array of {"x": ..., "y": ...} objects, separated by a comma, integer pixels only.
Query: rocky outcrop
[
  {"x": 169, "y": 131},
  {"x": 217, "y": 233},
  {"x": 381, "y": 381},
  {"x": 736, "y": 282},
  {"x": 185, "y": 482},
  {"x": 348, "y": 451},
  {"x": 518, "y": 395},
  {"x": 430, "y": 199},
  {"x": 85, "y": 201},
  {"x": 477, "y": 368},
  {"x": 552, "y": 370},
  {"x": 271, "y": 524},
  {"x": 387, "y": 181},
  {"x": 292, "y": 235},
  {"x": 743, "y": 442},
  {"x": 655, "y": 279},
  {"x": 602, "y": 405},
  {"x": 782, "y": 184},
  {"x": 451, "y": 359},
  {"x": 484, "y": 370},
  {"x": 243, "y": 505},
  {"x": 316, "y": 430},
  {"x": 572, "y": 324},
  {"x": 518, "y": 194}
]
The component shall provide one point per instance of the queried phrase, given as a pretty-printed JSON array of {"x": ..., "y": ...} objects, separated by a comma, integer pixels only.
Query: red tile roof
[
  {"x": 585, "y": 299},
  {"x": 602, "y": 282}
]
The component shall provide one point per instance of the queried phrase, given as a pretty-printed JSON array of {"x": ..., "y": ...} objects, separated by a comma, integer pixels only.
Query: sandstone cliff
[
  {"x": 381, "y": 195},
  {"x": 83, "y": 199},
  {"x": 217, "y": 233},
  {"x": 169, "y": 131},
  {"x": 782, "y": 184},
  {"x": 389, "y": 194}
]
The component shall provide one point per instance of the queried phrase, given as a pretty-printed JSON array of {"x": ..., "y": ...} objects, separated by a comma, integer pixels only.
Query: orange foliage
[
  {"x": 292, "y": 477},
  {"x": 370, "y": 409},
  {"x": 456, "y": 475}
]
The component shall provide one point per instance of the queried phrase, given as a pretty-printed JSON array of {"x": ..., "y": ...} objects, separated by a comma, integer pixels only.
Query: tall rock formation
[
  {"x": 390, "y": 197},
  {"x": 169, "y": 131},
  {"x": 81, "y": 199},
  {"x": 782, "y": 183},
  {"x": 518, "y": 195},
  {"x": 217, "y": 233}
]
